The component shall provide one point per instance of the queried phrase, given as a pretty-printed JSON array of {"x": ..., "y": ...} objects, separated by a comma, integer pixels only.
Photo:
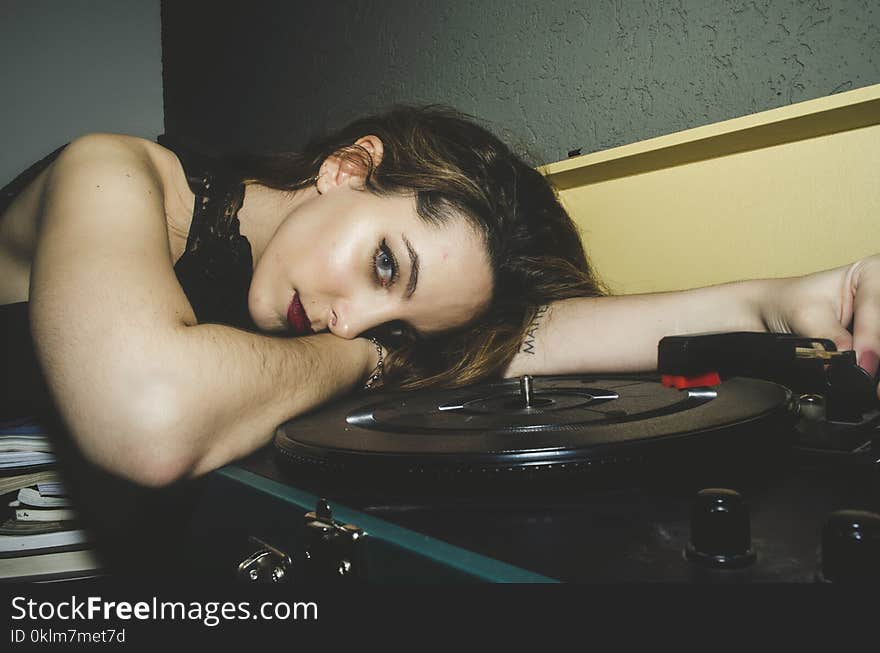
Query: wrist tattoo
[{"x": 528, "y": 345}]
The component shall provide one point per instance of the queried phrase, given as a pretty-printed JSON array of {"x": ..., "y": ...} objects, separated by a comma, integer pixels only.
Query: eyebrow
[{"x": 413, "y": 268}]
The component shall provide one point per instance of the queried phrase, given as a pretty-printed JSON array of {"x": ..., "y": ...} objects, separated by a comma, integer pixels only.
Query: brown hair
[{"x": 454, "y": 166}]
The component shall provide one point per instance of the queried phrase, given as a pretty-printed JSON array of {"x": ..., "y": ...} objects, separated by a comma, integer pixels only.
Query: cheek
[
  {"x": 342, "y": 259},
  {"x": 333, "y": 264},
  {"x": 326, "y": 271}
]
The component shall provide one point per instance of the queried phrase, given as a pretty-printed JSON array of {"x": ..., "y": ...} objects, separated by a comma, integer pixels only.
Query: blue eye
[{"x": 384, "y": 265}]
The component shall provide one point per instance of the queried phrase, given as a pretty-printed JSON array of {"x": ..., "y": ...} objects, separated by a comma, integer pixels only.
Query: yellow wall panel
[{"x": 780, "y": 193}]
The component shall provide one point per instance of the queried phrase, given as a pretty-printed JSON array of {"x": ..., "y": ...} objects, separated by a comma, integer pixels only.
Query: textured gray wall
[
  {"x": 74, "y": 66},
  {"x": 550, "y": 74},
  {"x": 561, "y": 74}
]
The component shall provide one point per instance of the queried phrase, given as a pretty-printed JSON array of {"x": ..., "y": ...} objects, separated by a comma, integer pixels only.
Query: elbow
[
  {"x": 145, "y": 441},
  {"x": 161, "y": 445},
  {"x": 152, "y": 470},
  {"x": 154, "y": 467}
]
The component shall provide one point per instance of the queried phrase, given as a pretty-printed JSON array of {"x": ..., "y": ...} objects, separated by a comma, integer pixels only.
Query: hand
[{"x": 832, "y": 303}]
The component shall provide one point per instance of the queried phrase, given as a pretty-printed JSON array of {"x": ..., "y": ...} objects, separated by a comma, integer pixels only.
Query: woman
[
  {"x": 417, "y": 229},
  {"x": 159, "y": 296}
]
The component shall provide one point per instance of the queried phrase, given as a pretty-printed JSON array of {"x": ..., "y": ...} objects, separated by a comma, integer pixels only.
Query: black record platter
[
  {"x": 605, "y": 478},
  {"x": 541, "y": 427}
]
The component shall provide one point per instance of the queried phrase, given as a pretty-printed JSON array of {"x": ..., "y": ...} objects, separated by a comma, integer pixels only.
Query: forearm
[
  {"x": 620, "y": 334},
  {"x": 240, "y": 386}
]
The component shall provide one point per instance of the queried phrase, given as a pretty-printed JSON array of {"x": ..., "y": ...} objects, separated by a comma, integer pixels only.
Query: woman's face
[{"x": 347, "y": 260}]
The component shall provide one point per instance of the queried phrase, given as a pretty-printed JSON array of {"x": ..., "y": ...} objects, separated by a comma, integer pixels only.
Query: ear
[{"x": 348, "y": 167}]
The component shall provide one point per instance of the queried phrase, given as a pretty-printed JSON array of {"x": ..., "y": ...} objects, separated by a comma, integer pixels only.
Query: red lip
[{"x": 296, "y": 316}]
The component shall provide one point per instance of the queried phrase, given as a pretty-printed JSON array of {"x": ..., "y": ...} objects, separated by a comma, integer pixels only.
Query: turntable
[
  {"x": 572, "y": 478},
  {"x": 535, "y": 428}
]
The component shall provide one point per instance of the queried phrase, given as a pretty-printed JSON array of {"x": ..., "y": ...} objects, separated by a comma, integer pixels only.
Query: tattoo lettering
[{"x": 528, "y": 346}]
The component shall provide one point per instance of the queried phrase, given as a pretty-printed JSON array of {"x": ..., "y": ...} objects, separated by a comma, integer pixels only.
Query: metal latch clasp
[
  {"x": 266, "y": 565},
  {"x": 328, "y": 551},
  {"x": 332, "y": 550}
]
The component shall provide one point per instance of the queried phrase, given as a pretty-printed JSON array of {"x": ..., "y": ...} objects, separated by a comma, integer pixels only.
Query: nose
[{"x": 351, "y": 317}]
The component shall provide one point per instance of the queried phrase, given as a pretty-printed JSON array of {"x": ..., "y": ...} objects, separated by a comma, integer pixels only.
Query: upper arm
[{"x": 103, "y": 292}]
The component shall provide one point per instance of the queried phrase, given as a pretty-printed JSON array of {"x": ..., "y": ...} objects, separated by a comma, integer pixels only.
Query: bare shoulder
[
  {"x": 98, "y": 179},
  {"x": 133, "y": 167},
  {"x": 114, "y": 154},
  {"x": 88, "y": 161}
]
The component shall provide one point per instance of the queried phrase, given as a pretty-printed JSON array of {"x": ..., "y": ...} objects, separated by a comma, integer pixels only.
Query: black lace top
[
  {"x": 216, "y": 268},
  {"x": 214, "y": 271}
]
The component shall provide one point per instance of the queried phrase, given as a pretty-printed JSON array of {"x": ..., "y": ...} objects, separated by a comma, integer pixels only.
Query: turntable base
[{"x": 636, "y": 525}]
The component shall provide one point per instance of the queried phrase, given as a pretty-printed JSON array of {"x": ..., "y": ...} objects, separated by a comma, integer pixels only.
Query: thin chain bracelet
[{"x": 376, "y": 374}]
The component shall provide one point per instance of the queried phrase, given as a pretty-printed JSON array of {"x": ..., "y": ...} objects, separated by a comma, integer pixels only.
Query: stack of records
[{"x": 40, "y": 537}]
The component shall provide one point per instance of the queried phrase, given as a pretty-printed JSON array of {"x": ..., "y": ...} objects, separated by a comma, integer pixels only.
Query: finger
[
  {"x": 866, "y": 329},
  {"x": 820, "y": 322},
  {"x": 834, "y": 331}
]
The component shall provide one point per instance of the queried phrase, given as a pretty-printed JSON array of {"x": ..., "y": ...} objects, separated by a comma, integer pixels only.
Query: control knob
[
  {"x": 851, "y": 547},
  {"x": 720, "y": 531}
]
